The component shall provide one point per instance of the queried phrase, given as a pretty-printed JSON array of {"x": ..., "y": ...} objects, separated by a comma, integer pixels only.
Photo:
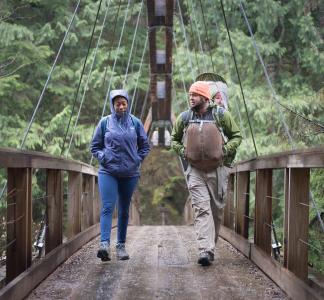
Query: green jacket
[{"x": 230, "y": 130}]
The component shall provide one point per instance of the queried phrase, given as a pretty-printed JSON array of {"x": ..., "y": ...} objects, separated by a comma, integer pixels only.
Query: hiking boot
[
  {"x": 204, "y": 259},
  {"x": 104, "y": 251},
  {"x": 121, "y": 252}
]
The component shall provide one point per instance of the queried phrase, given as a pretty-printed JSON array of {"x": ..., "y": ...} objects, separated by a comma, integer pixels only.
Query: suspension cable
[
  {"x": 186, "y": 41},
  {"x": 138, "y": 75},
  {"x": 115, "y": 61},
  {"x": 277, "y": 102},
  {"x": 207, "y": 38},
  {"x": 81, "y": 76},
  {"x": 131, "y": 50},
  {"x": 198, "y": 34},
  {"x": 275, "y": 97},
  {"x": 239, "y": 78},
  {"x": 85, "y": 88},
  {"x": 192, "y": 37},
  {"x": 182, "y": 76},
  {"x": 145, "y": 100},
  {"x": 49, "y": 77}
]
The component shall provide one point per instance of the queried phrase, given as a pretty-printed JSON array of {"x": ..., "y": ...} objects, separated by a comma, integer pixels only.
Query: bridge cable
[
  {"x": 131, "y": 50},
  {"x": 267, "y": 77},
  {"x": 207, "y": 38},
  {"x": 239, "y": 78},
  {"x": 145, "y": 101},
  {"x": 192, "y": 37},
  {"x": 49, "y": 76},
  {"x": 277, "y": 101},
  {"x": 198, "y": 34},
  {"x": 115, "y": 61},
  {"x": 186, "y": 41},
  {"x": 89, "y": 76},
  {"x": 114, "y": 65},
  {"x": 138, "y": 75},
  {"x": 45, "y": 86},
  {"x": 80, "y": 80}
]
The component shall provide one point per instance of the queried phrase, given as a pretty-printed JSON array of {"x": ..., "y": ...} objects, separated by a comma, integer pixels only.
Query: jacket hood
[{"x": 116, "y": 93}]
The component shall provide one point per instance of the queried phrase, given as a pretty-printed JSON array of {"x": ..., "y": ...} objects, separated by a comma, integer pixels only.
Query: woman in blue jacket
[{"x": 120, "y": 144}]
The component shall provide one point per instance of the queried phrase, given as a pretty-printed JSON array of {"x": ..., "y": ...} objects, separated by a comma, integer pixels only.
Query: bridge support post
[
  {"x": 19, "y": 220},
  {"x": 263, "y": 210},
  {"x": 74, "y": 203},
  {"x": 88, "y": 186},
  {"x": 96, "y": 202},
  {"x": 296, "y": 221},
  {"x": 54, "y": 209},
  {"x": 242, "y": 203},
  {"x": 229, "y": 208}
]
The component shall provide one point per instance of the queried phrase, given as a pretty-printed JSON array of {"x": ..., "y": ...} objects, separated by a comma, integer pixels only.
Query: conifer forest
[{"x": 114, "y": 54}]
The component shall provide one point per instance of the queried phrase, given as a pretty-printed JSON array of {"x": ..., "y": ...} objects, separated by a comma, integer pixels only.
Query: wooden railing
[
  {"x": 82, "y": 215},
  {"x": 292, "y": 276}
]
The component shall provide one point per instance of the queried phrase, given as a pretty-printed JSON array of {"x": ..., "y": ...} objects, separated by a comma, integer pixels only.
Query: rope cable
[
  {"x": 239, "y": 78},
  {"x": 88, "y": 77},
  {"x": 81, "y": 76},
  {"x": 131, "y": 50}
]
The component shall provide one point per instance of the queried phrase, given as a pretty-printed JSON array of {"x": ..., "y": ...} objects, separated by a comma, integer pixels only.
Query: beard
[{"x": 198, "y": 106}]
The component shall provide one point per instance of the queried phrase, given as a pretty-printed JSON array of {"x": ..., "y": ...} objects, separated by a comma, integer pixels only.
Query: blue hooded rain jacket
[{"x": 124, "y": 144}]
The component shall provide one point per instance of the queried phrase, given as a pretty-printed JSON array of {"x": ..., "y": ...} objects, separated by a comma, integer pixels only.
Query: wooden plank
[
  {"x": 74, "y": 203},
  {"x": 242, "y": 203},
  {"x": 263, "y": 210},
  {"x": 297, "y": 218},
  {"x": 238, "y": 241},
  {"x": 54, "y": 209},
  {"x": 13, "y": 158},
  {"x": 19, "y": 220},
  {"x": 293, "y": 286},
  {"x": 21, "y": 286}
]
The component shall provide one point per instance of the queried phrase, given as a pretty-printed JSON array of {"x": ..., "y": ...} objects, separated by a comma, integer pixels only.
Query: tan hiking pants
[{"x": 208, "y": 196}]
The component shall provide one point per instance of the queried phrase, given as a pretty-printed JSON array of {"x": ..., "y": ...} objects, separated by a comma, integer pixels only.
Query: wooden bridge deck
[{"x": 162, "y": 266}]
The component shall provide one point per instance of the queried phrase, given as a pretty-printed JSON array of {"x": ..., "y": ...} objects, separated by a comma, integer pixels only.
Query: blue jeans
[{"x": 113, "y": 189}]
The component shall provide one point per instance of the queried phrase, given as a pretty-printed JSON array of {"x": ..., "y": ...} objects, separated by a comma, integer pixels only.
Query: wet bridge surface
[{"x": 163, "y": 265}]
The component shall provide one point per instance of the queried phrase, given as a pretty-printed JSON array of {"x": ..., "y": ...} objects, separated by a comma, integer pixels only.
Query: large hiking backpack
[{"x": 203, "y": 141}]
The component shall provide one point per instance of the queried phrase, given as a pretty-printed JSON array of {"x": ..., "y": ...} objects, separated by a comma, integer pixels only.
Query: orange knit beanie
[{"x": 201, "y": 88}]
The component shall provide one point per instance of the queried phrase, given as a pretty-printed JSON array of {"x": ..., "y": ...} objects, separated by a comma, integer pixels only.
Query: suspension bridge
[{"x": 248, "y": 263}]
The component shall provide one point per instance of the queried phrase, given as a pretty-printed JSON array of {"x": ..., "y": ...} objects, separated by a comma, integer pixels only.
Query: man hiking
[{"x": 207, "y": 137}]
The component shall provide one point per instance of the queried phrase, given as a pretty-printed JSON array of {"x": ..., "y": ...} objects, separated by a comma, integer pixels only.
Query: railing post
[
  {"x": 19, "y": 220},
  {"x": 87, "y": 199},
  {"x": 296, "y": 221},
  {"x": 74, "y": 203},
  {"x": 242, "y": 203},
  {"x": 96, "y": 201},
  {"x": 54, "y": 209},
  {"x": 229, "y": 207},
  {"x": 263, "y": 210}
]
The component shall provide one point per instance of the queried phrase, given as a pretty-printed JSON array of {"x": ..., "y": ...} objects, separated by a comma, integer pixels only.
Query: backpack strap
[
  {"x": 218, "y": 113},
  {"x": 105, "y": 123},
  {"x": 187, "y": 116}
]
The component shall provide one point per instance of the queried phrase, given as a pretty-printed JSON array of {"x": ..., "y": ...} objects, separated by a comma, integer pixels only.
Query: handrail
[
  {"x": 292, "y": 276},
  {"x": 82, "y": 215}
]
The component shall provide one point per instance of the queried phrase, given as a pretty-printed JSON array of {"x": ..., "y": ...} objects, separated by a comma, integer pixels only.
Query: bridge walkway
[{"x": 163, "y": 265}]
